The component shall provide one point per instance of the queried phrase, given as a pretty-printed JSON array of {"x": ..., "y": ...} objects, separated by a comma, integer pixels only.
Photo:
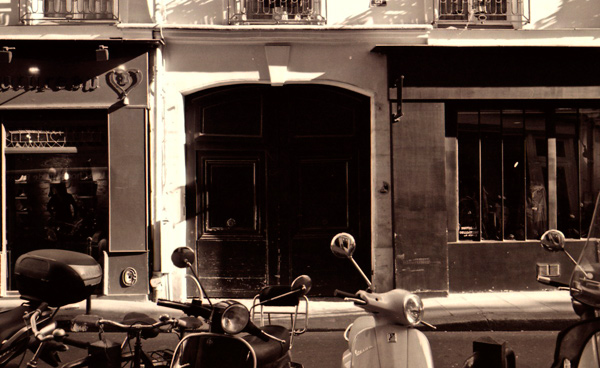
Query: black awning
[
  {"x": 492, "y": 66},
  {"x": 65, "y": 59}
]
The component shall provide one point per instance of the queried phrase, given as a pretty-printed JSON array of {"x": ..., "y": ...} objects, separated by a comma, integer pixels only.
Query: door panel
[
  {"x": 232, "y": 247},
  {"x": 326, "y": 201},
  {"x": 280, "y": 171},
  {"x": 323, "y": 192},
  {"x": 231, "y": 203}
]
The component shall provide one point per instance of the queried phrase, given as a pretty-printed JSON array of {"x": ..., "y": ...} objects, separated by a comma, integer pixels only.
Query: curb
[{"x": 335, "y": 316}]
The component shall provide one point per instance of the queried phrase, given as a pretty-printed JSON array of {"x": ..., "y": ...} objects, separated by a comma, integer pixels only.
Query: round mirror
[
  {"x": 343, "y": 245},
  {"x": 302, "y": 282},
  {"x": 182, "y": 257},
  {"x": 553, "y": 241}
]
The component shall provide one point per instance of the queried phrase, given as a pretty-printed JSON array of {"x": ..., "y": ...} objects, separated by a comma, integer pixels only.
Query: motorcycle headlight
[
  {"x": 235, "y": 318},
  {"x": 413, "y": 309}
]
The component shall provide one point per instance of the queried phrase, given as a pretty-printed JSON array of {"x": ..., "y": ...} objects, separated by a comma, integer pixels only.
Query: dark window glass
[
  {"x": 567, "y": 182},
  {"x": 491, "y": 175},
  {"x": 468, "y": 176},
  {"x": 56, "y": 184},
  {"x": 536, "y": 151},
  {"x": 503, "y": 159},
  {"x": 514, "y": 174},
  {"x": 589, "y": 160}
]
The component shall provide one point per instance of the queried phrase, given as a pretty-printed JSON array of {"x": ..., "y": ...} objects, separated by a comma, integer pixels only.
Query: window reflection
[
  {"x": 536, "y": 147},
  {"x": 57, "y": 194}
]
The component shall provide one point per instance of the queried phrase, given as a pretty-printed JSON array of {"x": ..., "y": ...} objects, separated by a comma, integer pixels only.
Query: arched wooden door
[{"x": 278, "y": 171}]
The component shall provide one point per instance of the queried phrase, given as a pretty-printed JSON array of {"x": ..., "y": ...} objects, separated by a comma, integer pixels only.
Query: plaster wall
[
  {"x": 550, "y": 14},
  {"x": 192, "y": 67},
  {"x": 542, "y": 15}
]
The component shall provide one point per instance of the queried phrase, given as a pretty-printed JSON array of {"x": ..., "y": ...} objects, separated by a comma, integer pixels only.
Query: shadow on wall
[
  {"x": 205, "y": 12},
  {"x": 573, "y": 14},
  {"x": 396, "y": 12}
]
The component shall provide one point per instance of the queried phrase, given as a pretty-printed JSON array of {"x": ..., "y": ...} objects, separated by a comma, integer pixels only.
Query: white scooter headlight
[
  {"x": 235, "y": 318},
  {"x": 413, "y": 309}
]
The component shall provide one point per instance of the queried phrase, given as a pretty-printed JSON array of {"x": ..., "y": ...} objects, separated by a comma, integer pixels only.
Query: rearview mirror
[
  {"x": 553, "y": 241},
  {"x": 302, "y": 282},
  {"x": 183, "y": 257},
  {"x": 343, "y": 245}
]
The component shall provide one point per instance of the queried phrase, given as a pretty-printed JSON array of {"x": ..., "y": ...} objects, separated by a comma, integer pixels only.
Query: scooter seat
[
  {"x": 12, "y": 321},
  {"x": 270, "y": 351}
]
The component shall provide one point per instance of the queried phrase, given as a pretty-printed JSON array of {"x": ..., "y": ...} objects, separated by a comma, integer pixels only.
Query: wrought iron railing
[
  {"x": 33, "y": 11},
  {"x": 277, "y": 11},
  {"x": 482, "y": 12}
]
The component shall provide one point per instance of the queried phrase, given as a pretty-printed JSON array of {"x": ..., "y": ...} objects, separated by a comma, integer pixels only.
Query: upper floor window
[
  {"x": 276, "y": 11},
  {"x": 523, "y": 171},
  {"x": 481, "y": 12},
  {"x": 69, "y": 10}
]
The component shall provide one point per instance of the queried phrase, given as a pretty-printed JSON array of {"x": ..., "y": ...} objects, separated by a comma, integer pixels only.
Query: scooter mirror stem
[
  {"x": 197, "y": 280},
  {"x": 429, "y": 325},
  {"x": 361, "y": 272},
  {"x": 587, "y": 275}
]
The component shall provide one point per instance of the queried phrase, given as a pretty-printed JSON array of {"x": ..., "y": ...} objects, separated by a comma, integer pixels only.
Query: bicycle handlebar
[
  {"x": 138, "y": 326},
  {"x": 84, "y": 322}
]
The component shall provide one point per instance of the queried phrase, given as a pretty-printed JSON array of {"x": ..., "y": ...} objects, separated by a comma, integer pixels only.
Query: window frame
[{"x": 549, "y": 109}]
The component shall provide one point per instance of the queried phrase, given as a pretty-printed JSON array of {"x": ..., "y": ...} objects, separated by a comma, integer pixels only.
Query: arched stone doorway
[{"x": 274, "y": 173}]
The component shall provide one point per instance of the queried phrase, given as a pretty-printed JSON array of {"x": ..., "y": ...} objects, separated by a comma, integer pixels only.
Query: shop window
[
  {"x": 56, "y": 186},
  {"x": 505, "y": 189}
]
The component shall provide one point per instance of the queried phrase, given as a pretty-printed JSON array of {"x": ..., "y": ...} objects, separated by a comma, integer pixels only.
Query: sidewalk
[{"x": 539, "y": 310}]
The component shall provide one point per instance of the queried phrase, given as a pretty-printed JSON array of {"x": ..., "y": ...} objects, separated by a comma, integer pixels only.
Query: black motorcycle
[
  {"x": 47, "y": 280},
  {"x": 232, "y": 340}
]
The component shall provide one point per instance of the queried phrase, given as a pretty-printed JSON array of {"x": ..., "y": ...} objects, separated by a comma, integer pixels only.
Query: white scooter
[{"x": 386, "y": 338}]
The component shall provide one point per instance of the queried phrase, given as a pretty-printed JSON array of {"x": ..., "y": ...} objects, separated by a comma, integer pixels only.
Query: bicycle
[{"x": 106, "y": 353}]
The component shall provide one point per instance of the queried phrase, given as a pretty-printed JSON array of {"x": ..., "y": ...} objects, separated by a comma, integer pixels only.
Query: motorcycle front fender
[{"x": 211, "y": 350}]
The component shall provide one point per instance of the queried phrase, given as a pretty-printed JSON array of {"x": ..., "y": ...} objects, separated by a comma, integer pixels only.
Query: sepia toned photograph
[{"x": 300, "y": 183}]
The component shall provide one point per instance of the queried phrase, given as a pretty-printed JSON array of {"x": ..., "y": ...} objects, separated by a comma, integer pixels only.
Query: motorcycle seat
[
  {"x": 12, "y": 321},
  {"x": 132, "y": 318},
  {"x": 191, "y": 323},
  {"x": 269, "y": 351}
]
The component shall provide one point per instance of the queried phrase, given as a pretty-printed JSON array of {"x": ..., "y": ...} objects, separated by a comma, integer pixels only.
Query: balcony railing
[
  {"x": 276, "y": 11},
  {"x": 482, "y": 12},
  {"x": 41, "y": 11}
]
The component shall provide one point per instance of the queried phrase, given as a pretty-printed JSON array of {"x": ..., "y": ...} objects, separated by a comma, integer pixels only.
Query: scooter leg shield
[{"x": 571, "y": 341}]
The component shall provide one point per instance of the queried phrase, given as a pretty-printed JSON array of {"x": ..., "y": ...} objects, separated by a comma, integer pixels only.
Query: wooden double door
[{"x": 278, "y": 171}]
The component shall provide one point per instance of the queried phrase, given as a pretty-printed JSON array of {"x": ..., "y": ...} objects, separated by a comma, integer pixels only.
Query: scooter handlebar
[
  {"x": 188, "y": 308},
  {"x": 548, "y": 281},
  {"x": 253, "y": 329},
  {"x": 343, "y": 294}
]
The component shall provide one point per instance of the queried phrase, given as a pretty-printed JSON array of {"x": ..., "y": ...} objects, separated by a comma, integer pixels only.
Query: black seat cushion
[
  {"x": 12, "y": 321},
  {"x": 269, "y": 351}
]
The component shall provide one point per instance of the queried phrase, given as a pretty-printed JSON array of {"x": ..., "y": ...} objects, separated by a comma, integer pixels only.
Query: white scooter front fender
[{"x": 387, "y": 346}]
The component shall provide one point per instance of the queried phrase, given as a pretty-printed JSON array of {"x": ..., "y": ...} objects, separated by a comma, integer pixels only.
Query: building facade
[
  {"x": 445, "y": 135},
  {"x": 75, "y": 111}
]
